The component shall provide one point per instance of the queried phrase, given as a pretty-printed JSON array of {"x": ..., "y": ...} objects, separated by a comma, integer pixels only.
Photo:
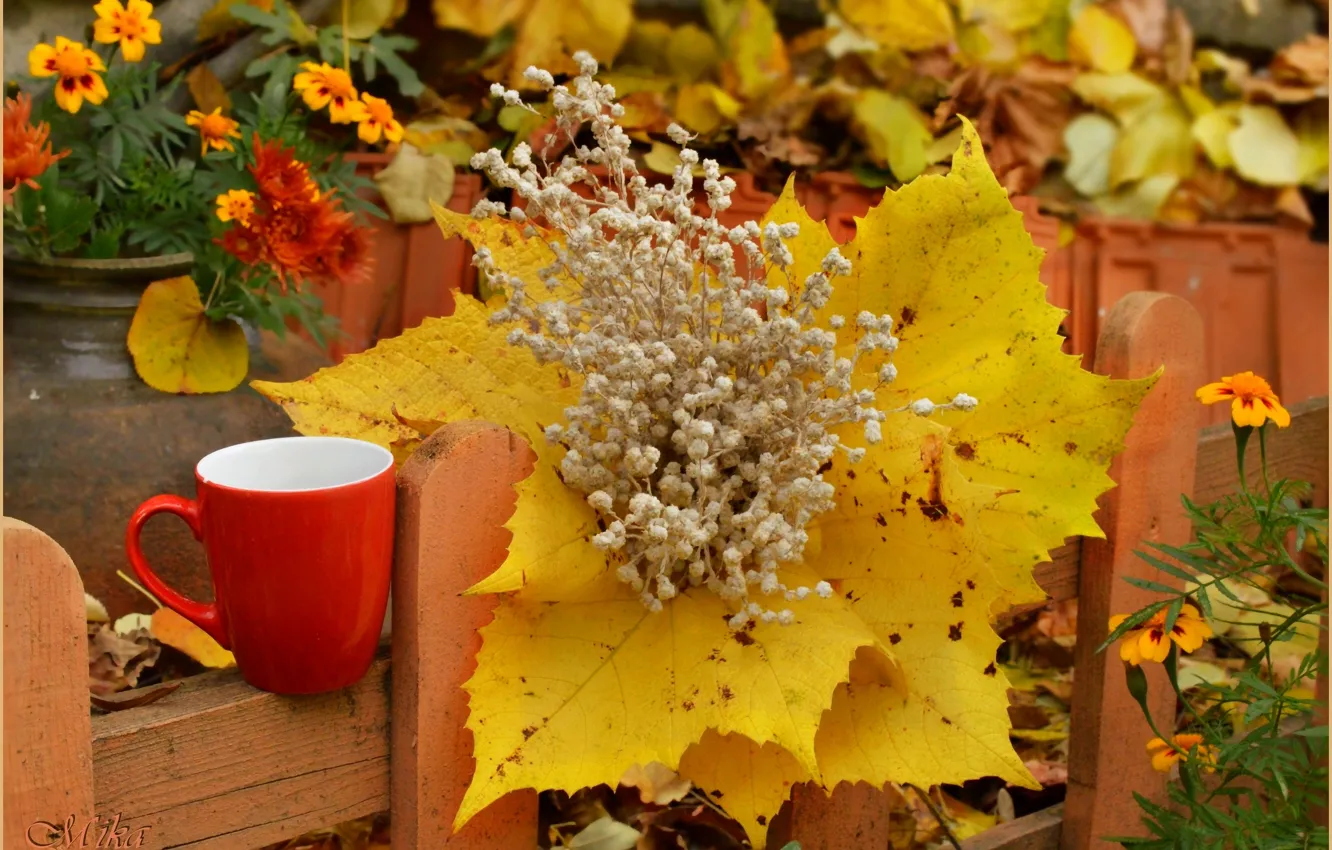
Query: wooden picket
[{"x": 218, "y": 765}]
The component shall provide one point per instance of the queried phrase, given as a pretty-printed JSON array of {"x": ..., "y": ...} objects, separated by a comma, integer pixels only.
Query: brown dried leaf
[
  {"x": 1146, "y": 19},
  {"x": 134, "y": 699},
  {"x": 1303, "y": 63},
  {"x": 656, "y": 783},
  {"x": 115, "y": 662}
]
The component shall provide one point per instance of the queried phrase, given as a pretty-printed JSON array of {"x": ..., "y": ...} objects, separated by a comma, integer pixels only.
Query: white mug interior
[{"x": 294, "y": 464}]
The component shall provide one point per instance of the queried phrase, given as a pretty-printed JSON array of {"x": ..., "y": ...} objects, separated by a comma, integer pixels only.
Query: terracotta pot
[
  {"x": 1261, "y": 290},
  {"x": 85, "y": 440},
  {"x": 416, "y": 271}
]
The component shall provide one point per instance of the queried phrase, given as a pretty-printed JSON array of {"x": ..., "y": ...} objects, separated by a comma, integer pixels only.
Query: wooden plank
[
  {"x": 1037, "y": 831},
  {"x": 220, "y": 765},
  {"x": 455, "y": 493},
  {"x": 48, "y": 757},
  {"x": 1107, "y": 757}
]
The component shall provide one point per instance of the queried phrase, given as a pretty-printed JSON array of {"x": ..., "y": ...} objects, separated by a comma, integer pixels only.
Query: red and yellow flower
[
  {"x": 378, "y": 121},
  {"x": 26, "y": 147},
  {"x": 235, "y": 205},
  {"x": 215, "y": 130},
  {"x": 323, "y": 85},
  {"x": 1149, "y": 641},
  {"x": 1252, "y": 401},
  {"x": 1181, "y": 748},
  {"x": 131, "y": 24},
  {"x": 78, "y": 69}
]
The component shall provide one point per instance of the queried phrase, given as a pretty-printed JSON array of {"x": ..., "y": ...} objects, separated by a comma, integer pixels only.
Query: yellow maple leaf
[
  {"x": 756, "y": 59},
  {"x": 177, "y": 349},
  {"x": 891, "y": 677},
  {"x": 904, "y": 24}
]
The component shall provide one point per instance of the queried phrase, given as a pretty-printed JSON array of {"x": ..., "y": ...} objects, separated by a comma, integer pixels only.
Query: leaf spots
[
  {"x": 717, "y": 795},
  {"x": 727, "y": 694},
  {"x": 971, "y": 585},
  {"x": 851, "y": 473},
  {"x": 1070, "y": 448},
  {"x": 529, "y": 732},
  {"x": 956, "y": 599},
  {"x": 762, "y": 820},
  {"x": 966, "y": 451},
  {"x": 908, "y": 319},
  {"x": 825, "y": 466},
  {"x": 894, "y": 638},
  {"x": 906, "y": 497},
  {"x": 990, "y": 670},
  {"x": 1016, "y": 437},
  {"x": 955, "y": 631},
  {"x": 880, "y": 520},
  {"x": 946, "y": 721},
  {"x": 744, "y": 638},
  {"x": 687, "y": 705},
  {"x": 883, "y": 475},
  {"x": 933, "y": 510}
]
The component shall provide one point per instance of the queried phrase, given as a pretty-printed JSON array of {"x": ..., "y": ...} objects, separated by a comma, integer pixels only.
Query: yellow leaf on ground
[
  {"x": 1212, "y": 132},
  {"x": 414, "y": 181},
  {"x": 894, "y": 131},
  {"x": 1142, "y": 200},
  {"x": 482, "y": 18},
  {"x": 1101, "y": 41},
  {"x": 94, "y": 609},
  {"x": 1125, "y": 96},
  {"x": 692, "y": 53},
  {"x": 656, "y": 783},
  {"x": 367, "y": 17},
  {"x": 1159, "y": 141},
  {"x": 207, "y": 90},
  {"x": 218, "y": 20},
  {"x": 552, "y": 30},
  {"x": 1311, "y": 128},
  {"x": 175, "y": 631},
  {"x": 755, "y": 53},
  {"x": 178, "y": 349},
  {"x": 705, "y": 108},
  {"x": 1012, "y": 15},
  {"x": 1090, "y": 138},
  {"x": 904, "y": 24},
  {"x": 1264, "y": 148}
]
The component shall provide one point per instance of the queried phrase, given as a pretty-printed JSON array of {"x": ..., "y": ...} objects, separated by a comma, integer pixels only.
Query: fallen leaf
[
  {"x": 177, "y": 349},
  {"x": 413, "y": 181},
  {"x": 218, "y": 20},
  {"x": 207, "y": 90},
  {"x": 1012, "y": 15},
  {"x": 1303, "y": 63},
  {"x": 903, "y": 24},
  {"x": 132, "y": 623},
  {"x": 705, "y": 108},
  {"x": 1101, "y": 41},
  {"x": 482, "y": 18},
  {"x": 115, "y": 662},
  {"x": 1147, "y": 20},
  {"x": 755, "y": 54},
  {"x": 605, "y": 834},
  {"x": 1048, "y": 773},
  {"x": 1090, "y": 138},
  {"x": 1193, "y": 673},
  {"x": 141, "y": 696},
  {"x": 94, "y": 610},
  {"x": 367, "y": 17},
  {"x": 1311, "y": 129},
  {"x": 894, "y": 132},
  {"x": 1141, "y": 200},
  {"x": 1158, "y": 142},
  {"x": 1212, "y": 132},
  {"x": 965, "y": 820},
  {"x": 692, "y": 53},
  {"x": 179, "y": 633},
  {"x": 1264, "y": 148},
  {"x": 656, "y": 783}
]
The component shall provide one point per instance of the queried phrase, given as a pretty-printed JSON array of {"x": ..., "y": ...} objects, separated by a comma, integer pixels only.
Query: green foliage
[{"x": 1268, "y": 773}]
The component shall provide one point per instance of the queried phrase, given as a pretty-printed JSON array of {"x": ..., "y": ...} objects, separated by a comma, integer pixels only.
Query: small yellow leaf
[
  {"x": 1157, "y": 142},
  {"x": 1142, "y": 200},
  {"x": 178, "y": 349},
  {"x": 752, "y": 781},
  {"x": 605, "y": 833},
  {"x": 1090, "y": 138},
  {"x": 175, "y": 631},
  {"x": 218, "y": 20},
  {"x": 206, "y": 89},
  {"x": 692, "y": 53},
  {"x": 1012, "y": 15},
  {"x": 894, "y": 131},
  {"x": 1198, "y": 103},
  {"x": 1212, "y": 132},
  {"x": 482, "y": 18},
  {"x": 552, "y": 30},
  {"x": 132, "y": 623},
  {"x": 1311, "y": 128},
  {"x": 904, "y": 24},
  {"x": 94, "y": 609},
  {"x": 705, "y": 108},
  {"x": 656, "y": 783},
  {"x": 1265, "y": 150},
  {"x": 367, "y": 17},
  {"x": 1101, "y": 41},
  {"x": 1125, "y": 96},
  {"x": 413, "y": 181},
  {"x": 755, "y": 52}
]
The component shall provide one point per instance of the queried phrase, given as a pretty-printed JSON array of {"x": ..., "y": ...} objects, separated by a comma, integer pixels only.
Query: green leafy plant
[{"x": 1248, "y": 757}]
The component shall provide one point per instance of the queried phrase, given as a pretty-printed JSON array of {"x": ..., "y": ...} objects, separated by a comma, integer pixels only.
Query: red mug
[{"x": 298, "y": 532}]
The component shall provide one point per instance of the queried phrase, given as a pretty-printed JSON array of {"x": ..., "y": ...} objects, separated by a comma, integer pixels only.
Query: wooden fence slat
[
  {"x": 455, "y": 493},
  {"x": 220, "y": 765},
  {"x": 1107, "y": 755},
  {"x": 47, "y": 737},
  {"x": 1037, "y": 831}
]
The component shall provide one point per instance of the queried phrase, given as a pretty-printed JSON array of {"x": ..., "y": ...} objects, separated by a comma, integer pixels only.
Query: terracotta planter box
[
  {"x": 416, "y": 271},
  {"x": 1262, "y": 292}
]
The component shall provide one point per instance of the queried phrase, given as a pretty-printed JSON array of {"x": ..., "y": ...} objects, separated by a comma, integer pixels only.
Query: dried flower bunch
[{"x": 712, "y": 399}]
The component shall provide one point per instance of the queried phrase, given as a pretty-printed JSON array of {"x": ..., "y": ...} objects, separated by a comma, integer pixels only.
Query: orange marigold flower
[
  {"x": 378, "y": 121},
  {"x": 323, "y": 85},
  {"x": 235, "y": 205},
  {"x": 76, "y": 66},
  {"x": 1181, "y": 748},
  {"x": 27, "y": 150},
  {"x": 215, "y": 130},
  {"x": 1149, "y": 641},
  {"x": 130, "y": 24},
  {"x": 1252, "y": 401}
]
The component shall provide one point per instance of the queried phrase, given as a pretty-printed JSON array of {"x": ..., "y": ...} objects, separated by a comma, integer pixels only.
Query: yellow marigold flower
[
  {"x": 324, "y": 85},
  {"x": 76, "y": 66},
  {"x": 130, "y": 24},
  {"x": 1252, "y": 401},
  {"x": 1149, "y": 642},
  {"x": 236, "y": 205},
  {"x": 378, "y": 121},
  {"x": 1181, "y": 747},
  {"x": 215, "y": 130}
]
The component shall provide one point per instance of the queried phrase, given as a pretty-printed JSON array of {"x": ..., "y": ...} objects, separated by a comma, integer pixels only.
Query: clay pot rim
[{"x": 130, "y": 267}]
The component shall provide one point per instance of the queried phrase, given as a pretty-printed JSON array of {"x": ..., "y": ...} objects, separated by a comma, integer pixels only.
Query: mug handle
[{"x": 205, "y": 616}]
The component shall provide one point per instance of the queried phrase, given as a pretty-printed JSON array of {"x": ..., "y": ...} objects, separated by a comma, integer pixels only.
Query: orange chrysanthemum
[
  {"x": 294, "y": 230},
  {"x": 1252, "y": 401},
  {"x": 27, "y": 149},
  {"x": 76, "y": 66}
]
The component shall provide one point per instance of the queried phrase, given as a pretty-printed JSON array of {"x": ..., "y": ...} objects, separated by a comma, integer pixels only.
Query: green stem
[{"x": 1262, "y": 454}]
